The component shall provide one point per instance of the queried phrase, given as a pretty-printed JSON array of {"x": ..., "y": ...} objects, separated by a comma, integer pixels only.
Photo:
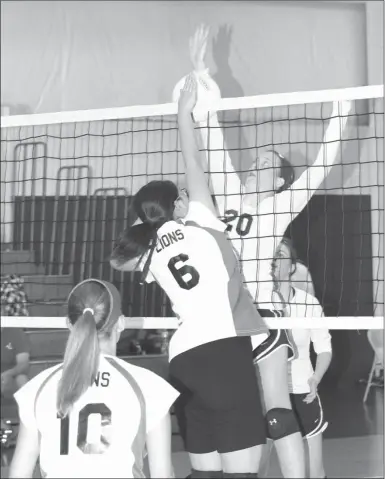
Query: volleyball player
[
  {"x": 302, "y": 279},
  {"x": 94, "y": 414},
  {"x": 257, "y": 217},
  {"x": 303, "y": 381},
  {"x": 210, "y": 353}
]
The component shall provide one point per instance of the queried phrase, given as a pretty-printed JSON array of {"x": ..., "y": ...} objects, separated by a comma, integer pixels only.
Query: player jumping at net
[
  {"x": 303, "y": 381},
  {"x": 257, "y": 217},
  {"x": 210, "y": 353},
  {"x": 94, "y": 415}
]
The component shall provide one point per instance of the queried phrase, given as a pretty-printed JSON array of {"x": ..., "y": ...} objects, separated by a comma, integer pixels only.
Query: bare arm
[
  {"x": 322, "y": 365},
  {"x": 26, "y": 453},
  {"x": 159, "y": 449},
  {"x": 322, "y": 346},
  {"x": 306, "y": 185},
  {"x": 225, "y": 181},
  {"x": 195, "y": 176}
]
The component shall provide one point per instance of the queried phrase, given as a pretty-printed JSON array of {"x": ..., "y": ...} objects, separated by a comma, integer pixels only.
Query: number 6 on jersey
[{"x": 180, "y": 273}]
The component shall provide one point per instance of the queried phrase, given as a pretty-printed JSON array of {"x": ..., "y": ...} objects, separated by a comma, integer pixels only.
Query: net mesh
[{"x": 66, "y": 189}]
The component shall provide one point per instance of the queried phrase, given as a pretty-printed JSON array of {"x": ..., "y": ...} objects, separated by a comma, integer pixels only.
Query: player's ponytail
[
  {"x": 89, "y": 306},
  {"x": 81, "y": 362},
  {"x": 154, "y": 205},
  {"x": 134, "y": 242}
]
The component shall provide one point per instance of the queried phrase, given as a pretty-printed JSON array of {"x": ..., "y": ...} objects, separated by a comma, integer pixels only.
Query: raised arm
[
  {"x": 197, "y": 186},
  {"x": 225, "y": 181},
  {"x": 303, "y": 189}
]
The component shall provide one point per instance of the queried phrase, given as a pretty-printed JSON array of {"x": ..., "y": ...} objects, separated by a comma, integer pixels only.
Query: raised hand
[
  {"x": 198, "y": 46},
  {"x": 188, "y": 95}
]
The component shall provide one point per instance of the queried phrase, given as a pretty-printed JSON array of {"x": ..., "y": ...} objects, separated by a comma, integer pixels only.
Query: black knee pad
[
  {"x": 280, "y": 423},
  {"x": 205, "y": 474}
]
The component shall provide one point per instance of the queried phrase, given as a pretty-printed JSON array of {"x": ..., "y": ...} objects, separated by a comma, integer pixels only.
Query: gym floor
[{"x": 353, "y": 442}]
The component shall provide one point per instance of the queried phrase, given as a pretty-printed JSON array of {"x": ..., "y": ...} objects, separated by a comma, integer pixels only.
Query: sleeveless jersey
[
  {"x": 104, "y": 434},
  {"x": 256, "y": 230},
  {"x": 196, "y": 266}
]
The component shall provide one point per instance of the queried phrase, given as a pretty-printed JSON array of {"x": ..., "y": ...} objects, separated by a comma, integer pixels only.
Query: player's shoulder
[
  {"x": 45, "y": 375},
  {"x": 35, "y": 385},
  {"x": 200, "y": 215},
  {"x": 137, "y": 372}
]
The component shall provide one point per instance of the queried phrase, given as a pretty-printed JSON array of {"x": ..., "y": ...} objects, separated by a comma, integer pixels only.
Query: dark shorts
[
  {"x": 310, "y": 417},
  {"x": 219, "y": 408},
  {"x": 278, "y": 338}
]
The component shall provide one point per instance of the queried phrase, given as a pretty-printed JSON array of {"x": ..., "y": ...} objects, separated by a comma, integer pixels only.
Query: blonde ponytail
[{"x": 81, "y": 363}]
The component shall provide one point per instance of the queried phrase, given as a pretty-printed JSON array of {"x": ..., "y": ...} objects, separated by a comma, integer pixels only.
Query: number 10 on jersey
[{"x": 179, "y": 269}]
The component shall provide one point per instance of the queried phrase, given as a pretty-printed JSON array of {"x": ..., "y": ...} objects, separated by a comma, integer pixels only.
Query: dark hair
[
  {"x": 293, "y": 257},
  {"x": 82, "y": 353},
  {"x": 293, "y": 254},
  {"x": 287, "y": 171},
  {"x": 154, "y": 204}
]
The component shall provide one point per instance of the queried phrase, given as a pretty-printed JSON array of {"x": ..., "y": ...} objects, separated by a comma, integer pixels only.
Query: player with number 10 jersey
[{"x": 179, "y": 242}]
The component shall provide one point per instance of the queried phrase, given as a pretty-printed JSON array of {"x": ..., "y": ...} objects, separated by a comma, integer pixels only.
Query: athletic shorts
[
  {"x": 278, "y": 338},
  {"x": 219, "y": 408},
  {"x": 310, "y": 417}
]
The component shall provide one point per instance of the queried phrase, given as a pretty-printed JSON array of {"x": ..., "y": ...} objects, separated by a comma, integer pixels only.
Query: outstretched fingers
[{"x": 190, "y": 83}]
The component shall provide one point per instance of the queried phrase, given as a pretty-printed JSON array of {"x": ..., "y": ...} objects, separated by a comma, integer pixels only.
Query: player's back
[
  {"x": 196, "y": 266},
  {"x": 104, "y": 434}
]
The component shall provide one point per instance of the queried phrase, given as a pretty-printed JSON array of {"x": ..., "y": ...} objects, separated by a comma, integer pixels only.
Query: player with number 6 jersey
[
  {"x": 94, "y": 415},
  {"x": 197, "y": 268},
  {"x": 179, "y": 242}
]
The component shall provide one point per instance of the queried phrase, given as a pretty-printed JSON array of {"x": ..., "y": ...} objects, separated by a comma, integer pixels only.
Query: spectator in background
[
  {"x": 13, "y": 297},
  {"x": 14, "y": 343},
  {"x": 14, "y": 360},
  {"x": 303, "y": 380}
]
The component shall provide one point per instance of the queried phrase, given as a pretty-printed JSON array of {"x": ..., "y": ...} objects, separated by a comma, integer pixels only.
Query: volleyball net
[{"x": 67, "y": 180}]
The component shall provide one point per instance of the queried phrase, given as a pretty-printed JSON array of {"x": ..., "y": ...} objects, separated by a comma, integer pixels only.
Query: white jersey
[
  {"x": 104, "y": 435},
  {"x": 262, "y": 227},
  {"x": 195, "y": 264},
  {"x": 300, "y": 369},
  {"x": 257, "y": 229}
]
